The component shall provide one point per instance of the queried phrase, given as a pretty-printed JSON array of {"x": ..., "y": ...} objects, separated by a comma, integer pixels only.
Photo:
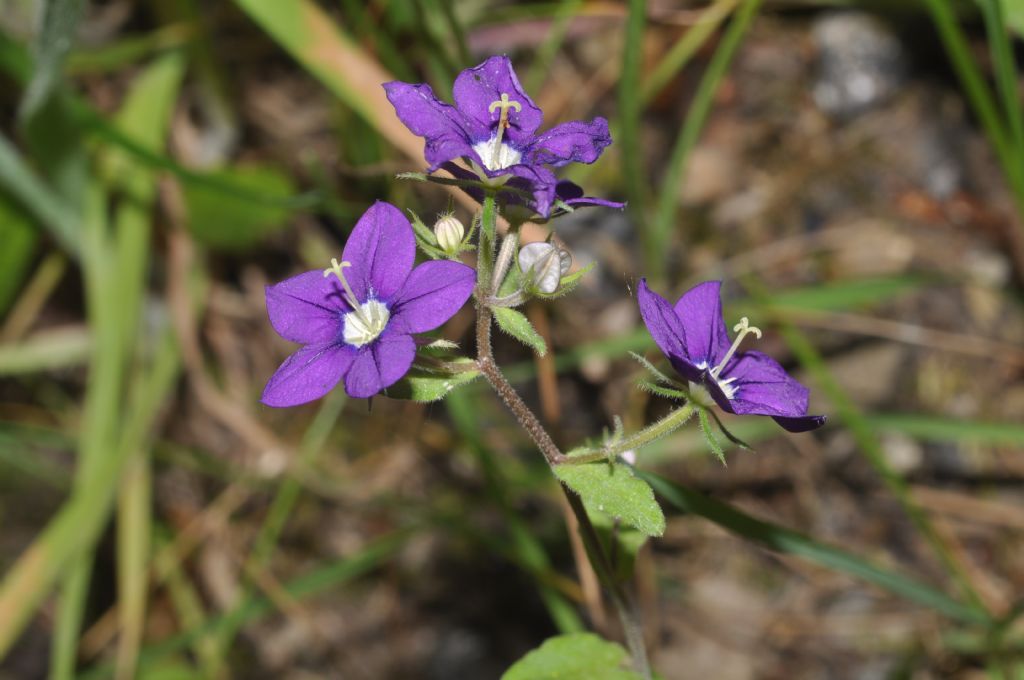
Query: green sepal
[
  {"x": 568, "y": 283},
  {"x": 660, "y": 391},
  {"x": 705, "y": 427},
  {"x": 575, "y": 655},
  {"x": 729, "y": 435},
  {"x": 516, "y": 324},
  {"x": 613, "y": 489},
  {"x": 426, "y": 385},
  {"x": 659, "y": 376},
  {"x": 425, "y": 238}
]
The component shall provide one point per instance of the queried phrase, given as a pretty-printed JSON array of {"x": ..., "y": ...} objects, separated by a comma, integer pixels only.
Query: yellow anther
[
  {"x": 504, "y": 104},
  {"x": 741, "y": 329}
]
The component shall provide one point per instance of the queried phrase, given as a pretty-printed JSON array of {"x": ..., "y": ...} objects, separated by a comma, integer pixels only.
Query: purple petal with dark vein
[
  {"x": 380, "y": 364},
  {"x": 800, "y": 424},
  {"x": 476, "y": 88},
  {"x": 700, "y": 310},
  {"x": 662, "y": 323},
  {"x": 573, "y": 142},
  {"x": 448, "y": 132},
  {"x": 432, "y": 294},
  {"x": 381, "y": 249},
  {"x": 764, "y": 388},
  {"x": 308, "y": 374},
  {"x": 307, "y": 308}
]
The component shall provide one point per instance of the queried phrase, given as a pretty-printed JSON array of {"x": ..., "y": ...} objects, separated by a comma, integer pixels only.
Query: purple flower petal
[
  {"x": 306, "y": 308},
  {"x": 432, "y": 294},
  {"x": 700, "y": 310},
  {"x": 801, "y": 424},
  {"x": 571, "y": 194},
  {"x": 476, "y": 88},
  {"x": 449, "y": 134},
  {"x": 536, "y": 180},
  {"x": 308, "y": 374},
  {"x": 663, "y": 326},
  {"x": 764, "y": 388},
  {"x": 380, "y": 364},
  {"x": 381, "y": 249},
  {"x": 574, "y": 142}
]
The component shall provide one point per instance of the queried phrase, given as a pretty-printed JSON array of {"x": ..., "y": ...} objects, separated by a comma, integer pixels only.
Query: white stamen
[
  {"x": 741, "y": 329},
  {"x": 365, "y": 322}
]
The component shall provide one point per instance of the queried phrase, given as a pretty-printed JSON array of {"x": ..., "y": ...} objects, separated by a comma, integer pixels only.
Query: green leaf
[
  {"x": 424, "y": 386},
  {"x": 231, "y": 222},
  {"x": 570, "y": 657},
  {"x": 518, "y": 326},
  {"x": 621, "y": 542},
  {"x": 612, "y": 489},
  {"x": 791, "y": 542},
  {"x": 38, "y": 198},
  {"x": 19, "y": 239}
]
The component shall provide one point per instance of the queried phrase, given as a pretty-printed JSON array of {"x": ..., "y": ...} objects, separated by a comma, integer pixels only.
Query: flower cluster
[{"x": 356, "y": 319}]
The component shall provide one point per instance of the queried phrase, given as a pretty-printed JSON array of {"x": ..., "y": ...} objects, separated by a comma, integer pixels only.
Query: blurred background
[{"x": 853, "y": 171}]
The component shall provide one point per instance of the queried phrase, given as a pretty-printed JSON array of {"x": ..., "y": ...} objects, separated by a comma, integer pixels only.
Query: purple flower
[
  {"x": 493, "y": 125},
  {"x": 693, "y": 337},
  {"x": 356, "y": 319}
]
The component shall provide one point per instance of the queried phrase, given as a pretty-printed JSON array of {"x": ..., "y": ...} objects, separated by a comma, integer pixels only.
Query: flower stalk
[{"x": 624, "y": 605}]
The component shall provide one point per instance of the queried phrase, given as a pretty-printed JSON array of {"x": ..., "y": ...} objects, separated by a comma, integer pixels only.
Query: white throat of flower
[
  {"x": 367, "y": 320},
  {"x": 495, "y": 153},
  {"x": 700, "y": 393}
]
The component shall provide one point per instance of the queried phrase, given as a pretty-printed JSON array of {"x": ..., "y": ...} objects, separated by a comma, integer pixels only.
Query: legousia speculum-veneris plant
[{"x": 359, "y": 320}]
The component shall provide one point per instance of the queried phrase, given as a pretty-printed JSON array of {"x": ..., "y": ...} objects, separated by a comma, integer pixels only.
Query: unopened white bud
[
  {"x": 449, "y": 232},
  {"x": 544, "y": 265}
]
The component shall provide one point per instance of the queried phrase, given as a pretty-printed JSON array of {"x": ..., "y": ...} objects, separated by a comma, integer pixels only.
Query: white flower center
[
  {"x": 363, "y": 325},
  {"x": 497, "y": 155},
  {"x": 700, "y": 393}
]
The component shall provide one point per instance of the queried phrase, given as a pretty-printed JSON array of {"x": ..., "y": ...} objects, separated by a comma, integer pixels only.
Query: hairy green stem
[{"x": 670, "y": 423}]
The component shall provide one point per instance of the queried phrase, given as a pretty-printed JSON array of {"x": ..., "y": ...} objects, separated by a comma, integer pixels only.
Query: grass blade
[
  {"x": 630, "y": 107},
  {"x": 56, "y": 35},
  {"x": 794, "y": 543},
  {"x": 664, "y": 217}
]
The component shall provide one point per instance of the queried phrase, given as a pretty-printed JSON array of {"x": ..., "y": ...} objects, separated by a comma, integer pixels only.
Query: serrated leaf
[
  {"x": 578, "y": 655},
  {"x": 709, "y": 436},
  {"x": 425, "y": 386},
  {"x": 519, "y": 327},
  {"x": 613, "y": 489}
]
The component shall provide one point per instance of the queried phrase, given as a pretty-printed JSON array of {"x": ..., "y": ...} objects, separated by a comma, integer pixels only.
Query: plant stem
[
  {"x": 529, "y": 422},
  {"x": 673, "y": 421}
]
